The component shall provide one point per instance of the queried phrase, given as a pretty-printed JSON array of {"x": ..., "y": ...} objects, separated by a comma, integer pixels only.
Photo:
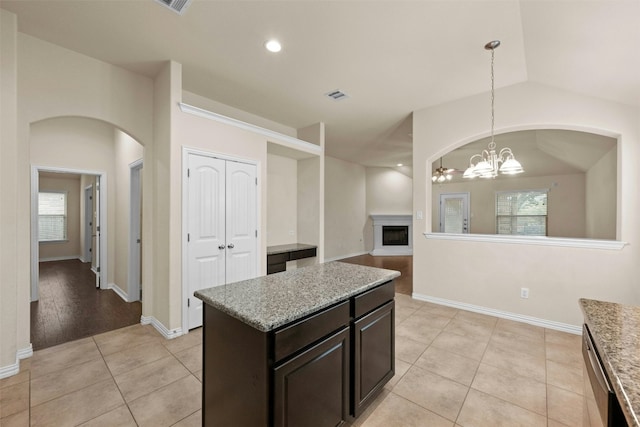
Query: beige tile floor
[{"x": 453, "y": 368}]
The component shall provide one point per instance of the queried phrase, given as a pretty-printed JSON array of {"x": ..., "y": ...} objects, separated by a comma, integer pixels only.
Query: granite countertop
[
  {"x": 268, "y": 302},
  {"x": 616, "y": 331},
  {"x": 280, "y": 249}
]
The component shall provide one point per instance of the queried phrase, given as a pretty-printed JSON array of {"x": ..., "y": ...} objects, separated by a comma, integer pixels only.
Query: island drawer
[
  {"x": 373, "y": 298},
  {"x": 304, "y": 332}
]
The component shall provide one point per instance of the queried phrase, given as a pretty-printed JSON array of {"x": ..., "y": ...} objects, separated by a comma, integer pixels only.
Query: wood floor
[
  {"x": 70, "y": 307},
  {"x": 403, "y": 264}
]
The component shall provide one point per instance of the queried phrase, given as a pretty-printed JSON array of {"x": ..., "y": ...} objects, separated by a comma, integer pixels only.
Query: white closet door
[
  {"x": 242, "y": 250},
  {"x": 207, "y": 244}
]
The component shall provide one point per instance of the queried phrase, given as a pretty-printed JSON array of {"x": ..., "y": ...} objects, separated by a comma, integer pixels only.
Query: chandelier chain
[{"x": 492, "y": 144}]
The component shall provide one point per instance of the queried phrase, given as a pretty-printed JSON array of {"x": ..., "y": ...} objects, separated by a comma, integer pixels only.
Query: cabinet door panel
[
  {"x": 374, "y": 355},
  {"x": 312, "y": 389}
]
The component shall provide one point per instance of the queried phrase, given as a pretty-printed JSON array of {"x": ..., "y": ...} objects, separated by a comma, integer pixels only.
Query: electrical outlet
[{"x": 524, "y": 292}]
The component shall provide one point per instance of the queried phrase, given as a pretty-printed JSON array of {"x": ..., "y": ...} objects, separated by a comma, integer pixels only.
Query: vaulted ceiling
[{"x": 390, "y": 57}]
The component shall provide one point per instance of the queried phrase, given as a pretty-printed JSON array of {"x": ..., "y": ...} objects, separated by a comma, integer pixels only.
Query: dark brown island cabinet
[{"x": 318, "y": 368}]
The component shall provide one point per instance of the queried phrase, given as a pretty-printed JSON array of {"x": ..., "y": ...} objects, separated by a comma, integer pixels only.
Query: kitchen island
[
  {"x": 615, "y": 330},
  {"x": 307, "y": 347}
]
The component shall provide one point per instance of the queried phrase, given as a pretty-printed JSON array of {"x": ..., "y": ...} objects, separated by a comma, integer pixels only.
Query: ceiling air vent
[
  {"x": 337, "y": 95},
  {"x": 178, "y": 6}
]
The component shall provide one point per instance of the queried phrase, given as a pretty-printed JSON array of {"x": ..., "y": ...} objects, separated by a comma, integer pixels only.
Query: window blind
[
  {"x": 522, "y": 212},
  {"x": 52, "y": 216}
]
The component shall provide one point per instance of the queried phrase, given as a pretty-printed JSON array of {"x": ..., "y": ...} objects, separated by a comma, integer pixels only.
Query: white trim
[
  {"x": 10, "y": 370},
  {"x": 122, "y": 294},
  {"x": 345, "y": 256},
  {"x": 35, "y": 248},
  {"x": 13, "y": 369},
  {"x": 60, "y": 258},
  {"x": 271, "y": 135},
  {"x": 134, "y": 276},
  {"x": 25, "y": 353},
  {"x": 167, "y": 333},
  {"x": 531, "y": 240},
  {"x": 536, "y": 321}
]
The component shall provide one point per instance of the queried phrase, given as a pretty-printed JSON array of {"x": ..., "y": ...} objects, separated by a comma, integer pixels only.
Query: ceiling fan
[{"x": 442, "y": 174}]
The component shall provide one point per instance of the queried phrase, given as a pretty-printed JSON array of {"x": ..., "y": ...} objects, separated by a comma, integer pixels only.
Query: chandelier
[
  {"x": 441, "y": 174},
  {"x": 489, "y": 163}
]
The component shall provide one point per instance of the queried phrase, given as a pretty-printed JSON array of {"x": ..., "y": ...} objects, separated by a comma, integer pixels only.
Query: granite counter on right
[{"x": 614, "y": 330}]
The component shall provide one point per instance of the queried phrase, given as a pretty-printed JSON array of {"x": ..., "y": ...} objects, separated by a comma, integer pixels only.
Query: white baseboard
[
  {"x": 25, "y": 352},
  {"x": 536, "y": 321},
  {"x": 59, "y": 258},
  {"x": 13, "y": 369},
  {"x": 345, "y": 256},
  {"x": 9, "y": 370},
  {"x": 167, "y": 333},
  {"x": 122, "y": 294}
]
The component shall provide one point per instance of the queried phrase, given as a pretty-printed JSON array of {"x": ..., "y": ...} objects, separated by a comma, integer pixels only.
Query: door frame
[
  {"x": 88, "y": 213},
  {"x": 185, "y": 217},
  {"x": 134, "y": 278},
  {"x": 35, "y": 249},
  {"x": 467, "y": 202}
]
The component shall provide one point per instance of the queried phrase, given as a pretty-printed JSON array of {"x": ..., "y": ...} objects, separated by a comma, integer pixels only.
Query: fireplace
[
  {"x": 392, "y": 235},
  {"x": 395, "y": 235}
]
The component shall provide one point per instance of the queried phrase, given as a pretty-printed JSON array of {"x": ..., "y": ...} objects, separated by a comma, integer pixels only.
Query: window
[
  {"x": 521, "y": 212},
  {"x": 52, "y": 216}
]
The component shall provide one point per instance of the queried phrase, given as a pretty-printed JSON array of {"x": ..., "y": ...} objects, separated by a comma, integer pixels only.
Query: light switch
[{"x": 419, "y": 215}]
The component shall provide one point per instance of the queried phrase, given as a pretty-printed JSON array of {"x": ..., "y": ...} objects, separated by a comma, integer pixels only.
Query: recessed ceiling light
[
  {"x": 399, "y": 164},
  {"x": 273, "y": 46}
]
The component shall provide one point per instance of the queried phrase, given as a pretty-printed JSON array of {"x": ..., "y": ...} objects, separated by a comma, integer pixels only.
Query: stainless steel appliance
[{"x": 601, "y": 406}]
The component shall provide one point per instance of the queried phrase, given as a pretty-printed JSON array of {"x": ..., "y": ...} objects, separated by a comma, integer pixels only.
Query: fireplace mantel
[{"x": 379, "y": 249}]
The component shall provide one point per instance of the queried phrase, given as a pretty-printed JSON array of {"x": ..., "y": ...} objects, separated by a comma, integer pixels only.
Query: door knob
[
  {"x": 221, "y": 247},
  {"x": 230, "y": 246}
]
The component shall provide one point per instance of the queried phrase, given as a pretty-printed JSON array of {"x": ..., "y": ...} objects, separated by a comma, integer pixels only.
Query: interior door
[
  {"x": 241, "y": 219},
  {"x": 206, "y": 229},
  {"x": 454, "y": 213}
]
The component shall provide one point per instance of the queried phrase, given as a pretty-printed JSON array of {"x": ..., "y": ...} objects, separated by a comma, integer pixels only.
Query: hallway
[{"x": 70, "y": 307}]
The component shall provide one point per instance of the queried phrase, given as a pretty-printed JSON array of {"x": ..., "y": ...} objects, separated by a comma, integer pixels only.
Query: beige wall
[
  {"x": 80, "y": 144},
  {"x": 600, "y": 201},
  {"x": 345, "y": 208},
  {"x": 566, "y": 202},
  {"x": 70, "y": 248},
  {"x": 52, "y": 82},
  {"x": 218, "y": 138},
  {"x": 490, "y": 274},
  {"x": 126, "y": 151},
  {"x": 311, "y": 195},
  {"x": 65, "y": 96},
  {"x": 14, "y": 218},
  {"x": 282, "y": 200}
]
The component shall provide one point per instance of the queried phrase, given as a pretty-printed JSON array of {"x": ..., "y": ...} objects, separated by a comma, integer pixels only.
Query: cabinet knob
[
  {"x": 221, "y": 247},
  {"x": 230, "y": 246}
]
